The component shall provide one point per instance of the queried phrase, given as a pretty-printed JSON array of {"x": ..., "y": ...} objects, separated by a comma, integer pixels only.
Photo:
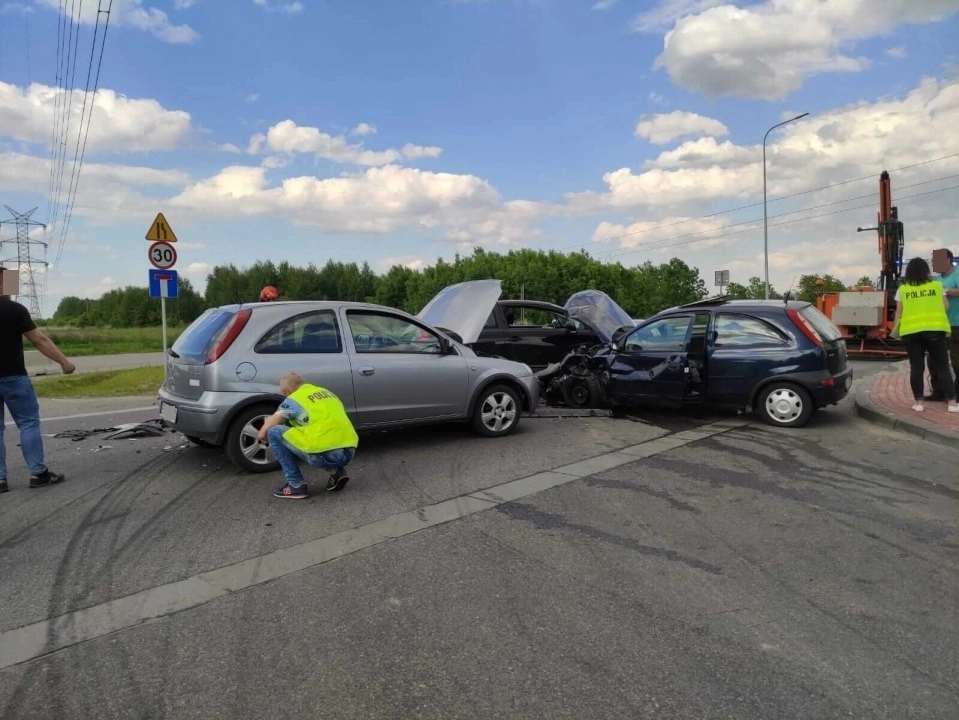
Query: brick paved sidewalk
[{"x": 886, "y": 398}]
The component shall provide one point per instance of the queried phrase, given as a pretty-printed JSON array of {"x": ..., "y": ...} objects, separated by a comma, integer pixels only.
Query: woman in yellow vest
[
  {"x": 310, "y": 425},
  {"x": 923, "y": 325}
]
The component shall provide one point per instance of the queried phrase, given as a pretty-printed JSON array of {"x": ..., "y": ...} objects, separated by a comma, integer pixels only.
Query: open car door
[{"x": 651, "y": 366}]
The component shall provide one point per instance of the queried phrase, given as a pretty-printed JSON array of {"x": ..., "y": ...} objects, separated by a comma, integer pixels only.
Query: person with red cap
[{"x": 269, "y": 294}]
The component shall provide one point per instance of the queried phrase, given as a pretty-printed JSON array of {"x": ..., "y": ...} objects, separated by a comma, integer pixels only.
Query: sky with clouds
[{"x": 399, "y": 132}]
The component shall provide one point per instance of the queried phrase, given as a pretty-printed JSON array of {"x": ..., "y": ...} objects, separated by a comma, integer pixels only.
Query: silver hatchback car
[{"x": 388, "y": 367}]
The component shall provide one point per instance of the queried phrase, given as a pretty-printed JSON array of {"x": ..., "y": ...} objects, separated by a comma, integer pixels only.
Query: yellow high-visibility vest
[
  {"x": 923, "y": 309},
  {"x": 328, "y": 427}
]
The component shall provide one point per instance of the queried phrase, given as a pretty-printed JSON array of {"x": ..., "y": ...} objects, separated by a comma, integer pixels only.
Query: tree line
[
  {"x": 532, "y": 274},
  {"x": 808, "y": 288},
  {"x": 642, "y": 290}
]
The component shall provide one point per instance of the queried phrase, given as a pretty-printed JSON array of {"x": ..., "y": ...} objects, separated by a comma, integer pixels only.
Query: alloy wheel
[
  {"x": 498, "y": 411},
  {"x": 250, "y": 445}
]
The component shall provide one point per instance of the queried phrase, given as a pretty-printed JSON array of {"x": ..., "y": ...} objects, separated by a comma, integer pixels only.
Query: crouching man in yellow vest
[{"x": 310, "y": 425}]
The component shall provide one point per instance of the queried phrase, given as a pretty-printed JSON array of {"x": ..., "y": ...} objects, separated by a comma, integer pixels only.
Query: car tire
[
  {"x": 201, "y": 442},
  {"x": 581, "y": 391},
  {"x": 239, "y": 443},
  {"x": 497, "y": 412},
  {"x": 786, "y": 405}
]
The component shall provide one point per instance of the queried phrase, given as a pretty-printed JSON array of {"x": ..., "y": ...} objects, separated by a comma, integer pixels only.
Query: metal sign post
[{"x": 164, "y": 282}]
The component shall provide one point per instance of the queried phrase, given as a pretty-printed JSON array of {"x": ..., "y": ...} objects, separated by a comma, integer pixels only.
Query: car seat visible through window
[{"x": 319, "y": 337}]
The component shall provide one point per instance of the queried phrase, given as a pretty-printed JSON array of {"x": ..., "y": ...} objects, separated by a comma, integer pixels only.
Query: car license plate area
[{"x": 168, "y": 413}]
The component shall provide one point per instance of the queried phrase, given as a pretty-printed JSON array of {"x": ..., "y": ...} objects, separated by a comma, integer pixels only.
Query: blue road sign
[{"x": 164, "y": 283}]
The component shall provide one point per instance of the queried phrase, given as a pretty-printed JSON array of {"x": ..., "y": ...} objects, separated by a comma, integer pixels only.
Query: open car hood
[
  {"x": 598, "y": 310},
  {"x": 463, "y": 308}
]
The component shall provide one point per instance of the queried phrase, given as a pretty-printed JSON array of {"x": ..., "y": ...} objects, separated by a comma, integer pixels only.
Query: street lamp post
[{"x": 765, "y": 215}]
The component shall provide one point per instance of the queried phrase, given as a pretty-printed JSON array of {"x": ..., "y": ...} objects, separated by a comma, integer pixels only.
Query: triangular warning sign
[{"x": 160, "y": 230}]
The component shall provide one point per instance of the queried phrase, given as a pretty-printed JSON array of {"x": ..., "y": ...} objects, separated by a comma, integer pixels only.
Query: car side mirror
[{"x": 618, "y": 338}]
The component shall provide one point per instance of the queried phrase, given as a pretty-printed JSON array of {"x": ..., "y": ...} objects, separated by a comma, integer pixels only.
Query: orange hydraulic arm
[{"x": 891, "y": 238}]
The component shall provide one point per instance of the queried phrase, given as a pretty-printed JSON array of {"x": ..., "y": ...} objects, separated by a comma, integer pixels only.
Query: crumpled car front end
[{"x": 581, "y": 379}]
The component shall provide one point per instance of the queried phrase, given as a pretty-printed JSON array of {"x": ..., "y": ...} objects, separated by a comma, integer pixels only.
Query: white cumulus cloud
[
  {"x": 117, "y": 123},
  {"x": 363, "y": 129},
  {"x": 666, "y": 127},
  {"x": 289, "y": 138},
  {"x": 130, "y": 13},
  {"x": 821, "y": 149},
  {"x": 828, "y": 164},
  {"x": 290, "y": 8},
  {"x": 766, "y": 50}
]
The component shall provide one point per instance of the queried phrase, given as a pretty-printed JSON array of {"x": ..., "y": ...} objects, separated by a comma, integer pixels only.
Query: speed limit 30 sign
[{"x": 162, "y": 255}]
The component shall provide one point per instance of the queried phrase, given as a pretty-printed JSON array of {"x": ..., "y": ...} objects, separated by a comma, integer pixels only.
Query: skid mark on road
[
  {"x": 49, "y": 636},
  {"x": 542, "y": 520},
  {"x": 645, "y": 490}
]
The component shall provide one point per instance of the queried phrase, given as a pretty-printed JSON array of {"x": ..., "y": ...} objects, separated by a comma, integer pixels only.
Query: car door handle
[
  {"x": 367, "y": 370},
  {"x": 514, "y": 337}
]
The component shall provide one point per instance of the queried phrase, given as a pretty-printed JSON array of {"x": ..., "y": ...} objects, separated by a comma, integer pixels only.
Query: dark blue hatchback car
[{"x": 782, "y": 359}]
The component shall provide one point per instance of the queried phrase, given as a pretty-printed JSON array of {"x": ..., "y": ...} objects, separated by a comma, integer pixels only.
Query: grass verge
[
  {"x": 77, "y": 342},
  {"x": 113, "y": 383}
]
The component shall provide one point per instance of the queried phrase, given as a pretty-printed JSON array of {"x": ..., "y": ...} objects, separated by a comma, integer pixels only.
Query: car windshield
[{"x": 599, "y": 311}]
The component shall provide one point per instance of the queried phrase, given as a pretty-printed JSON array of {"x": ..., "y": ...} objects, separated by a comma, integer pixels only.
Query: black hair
[
  {"x": 949, "y": 255},
  {"x": 917, "y": 272}
]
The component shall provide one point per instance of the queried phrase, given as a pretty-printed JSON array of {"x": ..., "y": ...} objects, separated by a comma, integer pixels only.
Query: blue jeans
[
  {"x": 16, "y": 392},
  {"x": 287, "y": 456}
]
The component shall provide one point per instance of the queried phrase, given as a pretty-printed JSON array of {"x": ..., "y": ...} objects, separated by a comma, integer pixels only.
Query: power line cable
[
  {"x": 61, "y": 23},
  {"x": 666, "y": 242},
  {"x": 73, "y": 45},
  {"x": 654, "y": 246},
  {"x": 821, "y": 188},
  {"x": 75, "y": 183}
]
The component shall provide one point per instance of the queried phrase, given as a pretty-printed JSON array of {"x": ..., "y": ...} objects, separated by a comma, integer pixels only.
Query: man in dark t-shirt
[{"x": 16, "y": 390}]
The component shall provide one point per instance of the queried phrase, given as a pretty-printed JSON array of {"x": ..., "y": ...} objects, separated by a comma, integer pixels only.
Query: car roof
[
  {"x": 731, "y": 303},
  {"x": 317, "y": 304},
  {"x": 540, "y": 304}
]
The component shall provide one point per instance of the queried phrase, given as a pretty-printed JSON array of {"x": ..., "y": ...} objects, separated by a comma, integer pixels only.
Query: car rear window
[
  {"x": 824, "y": 326},
  {"x": 194, "y": 344}
]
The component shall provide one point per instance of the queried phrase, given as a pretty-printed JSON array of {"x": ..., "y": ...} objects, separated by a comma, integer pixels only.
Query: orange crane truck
[{"x": 864, "y": 314}]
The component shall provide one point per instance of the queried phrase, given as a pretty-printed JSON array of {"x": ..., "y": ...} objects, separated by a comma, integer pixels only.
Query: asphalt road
[
  {"x": 694, "y": 568},
  {"x": 39, "y": 365}
]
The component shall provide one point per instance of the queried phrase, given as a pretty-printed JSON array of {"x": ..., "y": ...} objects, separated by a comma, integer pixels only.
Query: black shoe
[
  {"x": 46, "y": 478},
  {"x": 3, "y": 485},
  {"x": 337, "y": 480},
  {"x": 289, "y": 492}
]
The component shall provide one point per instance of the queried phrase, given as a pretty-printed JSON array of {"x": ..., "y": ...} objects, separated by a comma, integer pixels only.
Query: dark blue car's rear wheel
[{"x": 784, "y": 404}]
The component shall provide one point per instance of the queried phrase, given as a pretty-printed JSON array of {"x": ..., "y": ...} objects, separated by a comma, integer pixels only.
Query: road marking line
[
  {"x": 90, "y": 414},
  {"x": 49, "y": 636}
]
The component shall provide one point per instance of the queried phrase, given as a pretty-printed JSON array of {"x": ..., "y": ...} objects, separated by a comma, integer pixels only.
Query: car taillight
[
  {"x": 232, "y": 331},
  {"x": 807, "y": 329}
]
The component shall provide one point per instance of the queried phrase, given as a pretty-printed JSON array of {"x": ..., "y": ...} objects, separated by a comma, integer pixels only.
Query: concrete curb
[
  {"x": 544, "y": 411},
  {"x": 869, "y": 411}
]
